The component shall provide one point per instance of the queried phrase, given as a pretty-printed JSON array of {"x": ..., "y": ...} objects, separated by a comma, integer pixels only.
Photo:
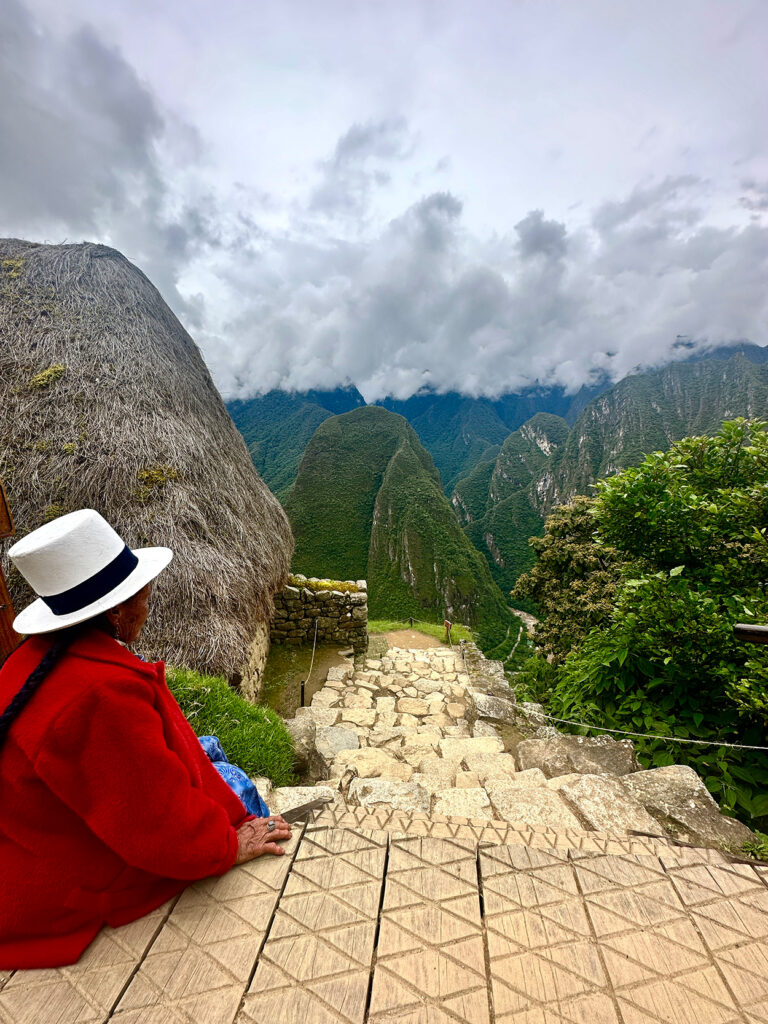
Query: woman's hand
[{"x": 255, "y": 838}]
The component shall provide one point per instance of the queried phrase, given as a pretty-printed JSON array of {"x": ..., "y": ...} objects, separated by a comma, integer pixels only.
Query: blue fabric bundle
[{"x": 234, "y": 777}]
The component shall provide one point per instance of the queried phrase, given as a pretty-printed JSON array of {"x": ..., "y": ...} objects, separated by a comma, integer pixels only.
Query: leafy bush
[
  {"x": 690, "y": 526},
  {"x": 254, "y": 738},
  {"x": 574, "y": 581}
]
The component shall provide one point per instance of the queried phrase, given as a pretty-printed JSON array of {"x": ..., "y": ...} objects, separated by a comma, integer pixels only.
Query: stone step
[{"x": 482, "y": 831}]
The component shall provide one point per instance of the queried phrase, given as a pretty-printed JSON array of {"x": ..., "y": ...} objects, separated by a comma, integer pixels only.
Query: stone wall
[
  {"x": 252, "y": 673},
  {"x": 340, "y": 610}
]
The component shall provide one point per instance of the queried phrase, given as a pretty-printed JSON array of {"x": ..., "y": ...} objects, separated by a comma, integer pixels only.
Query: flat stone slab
[
  {"x": 460, "y": 747},
  {"x": 465, "y": 803},
  {"x": 490, "y": 765},
  {"x": 287, "y": 797},
  {"x": 677, "y": 797},
  {"x": 603, "y": 803},
  {"x": 534, "y": 806},
  {"x": 372, "y": 763},
  {"x": 585, "y": 755},
  {"x": 331, "y": 741},
  {"x": 399, "y": 796}
]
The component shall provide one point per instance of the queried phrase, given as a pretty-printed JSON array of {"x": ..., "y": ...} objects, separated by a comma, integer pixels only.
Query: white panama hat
[{"x": 79, "y": 567}]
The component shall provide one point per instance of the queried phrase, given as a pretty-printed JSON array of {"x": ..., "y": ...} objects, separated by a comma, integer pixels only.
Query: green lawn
[
  {"x": 458, "y": 632},
  {"x": 254, "y": 738}
]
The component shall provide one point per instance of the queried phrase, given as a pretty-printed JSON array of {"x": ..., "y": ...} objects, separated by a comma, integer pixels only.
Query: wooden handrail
[{"x": 752, "y": 633}]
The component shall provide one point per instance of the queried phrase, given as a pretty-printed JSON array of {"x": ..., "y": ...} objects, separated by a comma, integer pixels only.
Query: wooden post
[{"x": 9, "y": 639}]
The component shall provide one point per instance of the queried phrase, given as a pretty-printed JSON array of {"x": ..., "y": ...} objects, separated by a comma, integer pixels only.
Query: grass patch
[
  {"x": 458, "y": 632},
  {"x": 254, "y": 738},
  {"x": 758, "y": 847}
]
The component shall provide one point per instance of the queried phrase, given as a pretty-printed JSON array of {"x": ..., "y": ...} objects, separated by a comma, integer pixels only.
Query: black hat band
[{"x": 95, "y": 587}]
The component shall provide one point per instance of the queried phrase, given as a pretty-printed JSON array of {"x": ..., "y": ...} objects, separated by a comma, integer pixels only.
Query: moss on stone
[{"x": 345, "y": 586}]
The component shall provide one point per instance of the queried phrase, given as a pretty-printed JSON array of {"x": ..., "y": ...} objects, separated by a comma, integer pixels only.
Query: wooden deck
[{"x": 432, "y": 922}]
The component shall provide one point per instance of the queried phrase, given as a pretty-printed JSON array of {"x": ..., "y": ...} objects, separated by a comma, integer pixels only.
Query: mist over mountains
[{"x": 410, "y": 492}]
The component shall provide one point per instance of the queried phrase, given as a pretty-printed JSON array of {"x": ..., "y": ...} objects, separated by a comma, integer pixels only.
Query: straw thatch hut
[{"x": 105, "y": 402}]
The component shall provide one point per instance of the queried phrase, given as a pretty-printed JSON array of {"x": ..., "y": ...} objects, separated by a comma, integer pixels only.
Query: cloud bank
[{"x": 323, "y": 288}]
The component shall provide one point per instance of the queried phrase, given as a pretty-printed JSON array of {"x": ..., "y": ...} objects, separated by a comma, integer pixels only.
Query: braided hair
[{"x": 62, "y": 641}]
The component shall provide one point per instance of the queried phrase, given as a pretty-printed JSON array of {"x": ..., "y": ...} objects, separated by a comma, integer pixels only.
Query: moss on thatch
[
  {"x": 45, "y": 378},
  {"x": 125, "y": 419}
]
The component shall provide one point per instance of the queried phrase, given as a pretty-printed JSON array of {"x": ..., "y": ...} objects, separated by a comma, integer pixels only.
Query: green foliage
[
  {"x": 13, "y": 268},
  {"x": 691, "y": 524},
  {"x": 543, "y": 463},
  {"x": 536, "y": 680},
  {"x": 574, "y": 581},
  {"x": 254, "y": 738},
  {"x": 53, "y": 511},
  {"x": 278, "y": 425},
  {"x": 757, "y": 848},
  {"x": 46, "y": 378}
]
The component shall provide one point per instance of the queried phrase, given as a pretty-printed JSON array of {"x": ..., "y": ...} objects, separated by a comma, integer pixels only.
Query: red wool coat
[{"x": 108, "y": 805}]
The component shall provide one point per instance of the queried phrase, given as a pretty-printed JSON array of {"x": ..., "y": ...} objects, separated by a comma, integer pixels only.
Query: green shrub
[
  {"x": 254, "y": 738},
  {"x": 690, "y": 525}
]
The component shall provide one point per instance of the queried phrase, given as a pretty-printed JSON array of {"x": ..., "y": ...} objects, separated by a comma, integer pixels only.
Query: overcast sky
[{"x": 467, "y": 195}]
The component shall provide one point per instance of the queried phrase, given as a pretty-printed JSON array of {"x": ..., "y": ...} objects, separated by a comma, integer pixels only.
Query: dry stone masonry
[
  {"x": 419, "y": 732},
  {"x": 339, "y": 610}
]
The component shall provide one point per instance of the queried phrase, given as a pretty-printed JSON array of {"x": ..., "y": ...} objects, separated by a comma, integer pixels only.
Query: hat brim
[{"x": 38, "y": 617}]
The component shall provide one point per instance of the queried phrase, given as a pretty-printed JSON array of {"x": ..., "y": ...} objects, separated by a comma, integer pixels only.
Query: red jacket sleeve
[{"x": 107, "y": 759}]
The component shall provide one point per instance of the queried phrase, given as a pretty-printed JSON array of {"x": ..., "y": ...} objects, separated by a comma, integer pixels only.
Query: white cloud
[{"x": 490, "y": 223}]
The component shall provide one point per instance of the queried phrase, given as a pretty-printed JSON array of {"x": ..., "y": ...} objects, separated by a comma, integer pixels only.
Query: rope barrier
[
  {"x": 649, "y": 736},
  {"x": 314, "y": 645}
]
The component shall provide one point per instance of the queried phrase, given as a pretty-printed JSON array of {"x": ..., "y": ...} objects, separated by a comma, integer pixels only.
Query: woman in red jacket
[{"x": 108, "y": 804}]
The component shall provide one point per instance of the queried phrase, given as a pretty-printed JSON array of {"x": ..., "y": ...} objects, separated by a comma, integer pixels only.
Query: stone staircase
[
  {"x": 387, "y": 910},
  {"x": 421, "y": 732}
]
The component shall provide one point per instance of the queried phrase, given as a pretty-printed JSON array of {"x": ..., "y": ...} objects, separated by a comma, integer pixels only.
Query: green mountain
[
  {"x": 545, "y": 464},
  {"x": 368, "y": 502},
  {"x": 460, "y": 432},
  {"x": 277, "y": 426},
  {"x": 498, "y": 502}
]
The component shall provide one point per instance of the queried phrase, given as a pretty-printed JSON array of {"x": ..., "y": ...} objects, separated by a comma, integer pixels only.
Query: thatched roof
[{"x": 105, "y": 402}]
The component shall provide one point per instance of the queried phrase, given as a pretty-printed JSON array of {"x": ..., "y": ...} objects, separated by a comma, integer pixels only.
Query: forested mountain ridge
[
  {"x": 498, "y": 504},
  {"x": 460, "y": 432},
  {"x": 277, "y": 426},
  {"x": 642, "y": 413},
  {"x": 368, "y": 502}
]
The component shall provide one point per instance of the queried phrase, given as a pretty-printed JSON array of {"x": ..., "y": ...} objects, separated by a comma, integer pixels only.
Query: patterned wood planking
[
  {"x": 201, "y": 961},
  {"x": 656, "y": 961},
  {"x": 316, "y": 963},
  {"x": 86, "y": 992},
  {"x": 430, "y": 960},
  {"x": 603, "y": 939},
  {"x": 544, "y": 963},
  {"x": 598, "y": 930},
  {"x": 728, "y": 904}
]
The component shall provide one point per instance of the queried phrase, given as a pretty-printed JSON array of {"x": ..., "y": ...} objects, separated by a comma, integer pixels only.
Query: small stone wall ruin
[{"x": 339, "y": 608}]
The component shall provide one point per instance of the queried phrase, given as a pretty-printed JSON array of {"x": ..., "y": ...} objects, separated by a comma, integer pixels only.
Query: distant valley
[{"x": 412, "y": 506}]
